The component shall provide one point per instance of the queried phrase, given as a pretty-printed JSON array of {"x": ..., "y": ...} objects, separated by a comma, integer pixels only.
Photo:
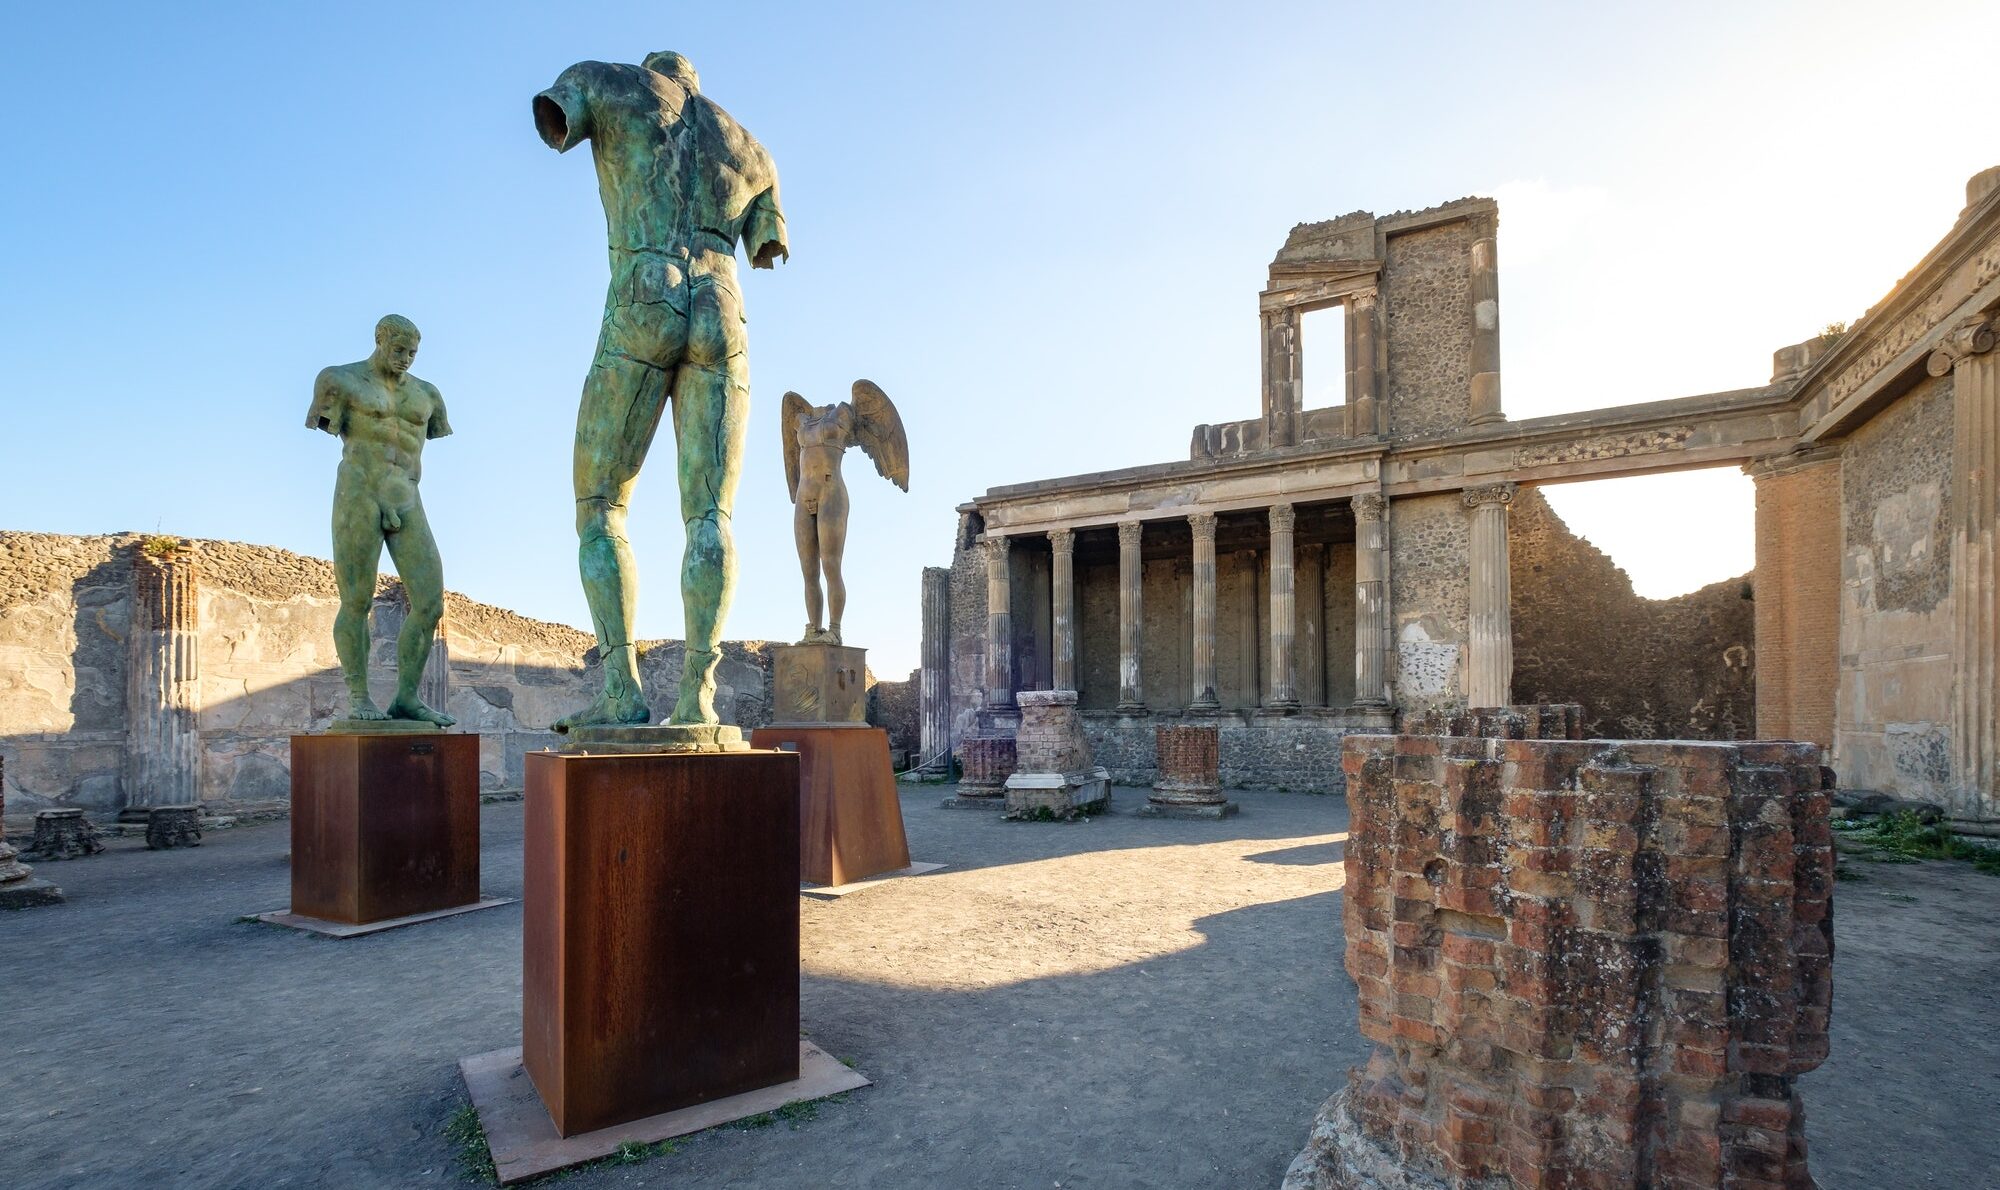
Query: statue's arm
[
  {"x": 562, "y": 113},
  {"x": 329, "y": 404},
  {"x": 764, "y": 231},
  {"x": 439, "y": 425}
]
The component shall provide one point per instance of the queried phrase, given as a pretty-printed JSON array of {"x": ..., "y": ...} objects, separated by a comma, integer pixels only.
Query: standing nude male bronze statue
[
  {"x": 682, "y": 184},
  {"x": 816, "y": 438},
  {"x": 382, "y": 416}
]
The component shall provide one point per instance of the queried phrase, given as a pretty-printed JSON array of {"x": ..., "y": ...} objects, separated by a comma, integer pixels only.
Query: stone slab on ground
[
  {"x": 523, "y": 1139},
  {"x": 344, "y": 929},
  {"x": 1208, "y": 810},
  {"x": 31, "y": 893},
  {"x": 960, "y": 802},
  {"x": 1129, "y": 1003},
  {"x": 855, "y": 886}
]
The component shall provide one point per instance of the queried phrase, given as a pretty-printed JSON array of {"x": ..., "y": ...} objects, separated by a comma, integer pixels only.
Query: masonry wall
[
  {"x": 967, "y": 661},
  {"x": 1894, "y": 711},
  {"x": 1430, "y": 597},
  {"x": 1680, "y": 668},
  {"x": 1297, "y": 753},
  {"x": 1427, "y": 304},
  {"x": 267, "y": 669}
]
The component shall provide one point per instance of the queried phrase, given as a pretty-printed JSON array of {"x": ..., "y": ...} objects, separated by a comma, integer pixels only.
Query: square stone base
[
  {"x": 959, "y": 801},
  {"x": 525, "y": 1144},
  {"x": 1057, "y": 795},
  {"x": 1210, "y": 810},
  {"x": 29, "y": 893}
]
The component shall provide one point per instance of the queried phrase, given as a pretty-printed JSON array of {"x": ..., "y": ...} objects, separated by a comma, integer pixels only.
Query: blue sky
[{"x": 1040, "y": 227}]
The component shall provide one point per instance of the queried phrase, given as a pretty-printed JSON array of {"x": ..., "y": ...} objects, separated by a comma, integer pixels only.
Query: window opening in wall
[{"x": 1323, "y": 345}]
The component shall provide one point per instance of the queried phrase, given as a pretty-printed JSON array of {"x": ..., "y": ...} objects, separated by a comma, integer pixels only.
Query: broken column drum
[
  {"x": 64, "y": 834},
  {"x": 1189, "y": 773},
  {"x": 1582, "y": 963}
]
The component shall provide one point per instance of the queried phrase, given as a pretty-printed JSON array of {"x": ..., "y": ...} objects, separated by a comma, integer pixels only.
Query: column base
[
  {"x": 1277, "y": 708},
  {"x": 1132, "y": 708},
  {"x": 1208, "y": 704}
]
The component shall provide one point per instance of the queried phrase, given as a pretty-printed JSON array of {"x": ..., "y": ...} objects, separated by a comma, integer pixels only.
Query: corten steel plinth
[
  {"x": 384, "y": 826},
  {"x": 850, "y": 821},
  {"x": 660, "y": 933}
]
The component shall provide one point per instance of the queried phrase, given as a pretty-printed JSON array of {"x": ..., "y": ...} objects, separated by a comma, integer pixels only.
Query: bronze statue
[
  {"x": 816, "y": 438},
  {"x": 682, "y": 184},
  {"x": 382, "y": 416}
]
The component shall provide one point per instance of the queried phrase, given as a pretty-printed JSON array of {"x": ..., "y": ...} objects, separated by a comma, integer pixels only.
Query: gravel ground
[{"x": 1123, "y": 1003}]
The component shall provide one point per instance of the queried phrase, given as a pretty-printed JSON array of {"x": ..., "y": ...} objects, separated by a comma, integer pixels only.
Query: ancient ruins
[{"x": 1310, "y": 574}]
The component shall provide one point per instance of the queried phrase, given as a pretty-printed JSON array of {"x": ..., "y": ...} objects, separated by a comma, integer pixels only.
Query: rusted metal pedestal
[
  {"x": 850, "y": 822},
  {"x": 384, "y": 826},
  {"x": 660, "y": 931}
]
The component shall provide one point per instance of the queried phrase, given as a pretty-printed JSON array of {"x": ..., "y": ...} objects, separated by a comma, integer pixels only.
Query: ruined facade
[
  {"x": 1310, "y": 573},
  {"x": 139, "y": 672}
]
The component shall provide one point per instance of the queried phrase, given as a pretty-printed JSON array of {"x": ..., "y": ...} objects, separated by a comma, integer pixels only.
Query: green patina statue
[
  {"x": 683, "y": 184},
  {"x": 382, "y": 416}
]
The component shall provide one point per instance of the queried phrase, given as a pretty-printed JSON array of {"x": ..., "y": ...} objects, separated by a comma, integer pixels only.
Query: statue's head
[
  {"x": 396, "y": 343},
  {"x": 675, "y": 67}
]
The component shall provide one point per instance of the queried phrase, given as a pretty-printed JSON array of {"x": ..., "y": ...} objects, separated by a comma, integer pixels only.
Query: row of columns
[{"x": 1491, "y": 668}]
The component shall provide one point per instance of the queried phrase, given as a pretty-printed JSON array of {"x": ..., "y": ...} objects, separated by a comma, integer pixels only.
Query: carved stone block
[
  {"x": 168, "y": 827},
  {"x": 819, "y": 684},
  {"x": 64, "y": 834}
]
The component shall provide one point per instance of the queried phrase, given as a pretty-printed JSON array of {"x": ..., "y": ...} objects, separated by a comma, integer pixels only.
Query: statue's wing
[
  {"x": 794, "y": 410},
  {"x": 878, "y": 429}
]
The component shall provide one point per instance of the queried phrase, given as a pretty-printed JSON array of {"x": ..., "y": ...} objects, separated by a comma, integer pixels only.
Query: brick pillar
[
  {"x": 1188, "y": 780},
  {"x": 1371, "y": 600},
  {"x": 1204, "y": 698},
  {"x": 1062, "y": 613},
  {"x": 1967, "y": 353},
  {"x": 1797, "y": 591},
  {"x": 1485, "y": 403},
  {"x": 1131, "y": 694},
  {"x": 934, "y": 677},
  {"x": 1282, "y": 695},
  {"x": 1582, "y": 963},
  {"x": 1492, "y": 664},
  {"x": 1366, "y": 417},
  {"x": 999, "y": 622},
  {"x": 163, "y": 688}
]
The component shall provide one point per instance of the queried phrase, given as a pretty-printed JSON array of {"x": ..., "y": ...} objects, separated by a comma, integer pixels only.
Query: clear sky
[{"x": 1041, "y": 227}]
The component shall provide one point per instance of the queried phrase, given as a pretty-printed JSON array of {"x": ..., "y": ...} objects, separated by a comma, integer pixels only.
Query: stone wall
[
  {"x": 967, "y": 662},
  {"x": 267, "y": 670},
  {"x": 1298, "y": 753},
  {"x": 1894, "y": 713},
  {"x": 1582, "y": 963},
  {"x": 895, "y": 707},
  {"x": 1427, "y": 297},
  {"x": 1430, "y": 540},
  {"x": 1679, "y": 668}
]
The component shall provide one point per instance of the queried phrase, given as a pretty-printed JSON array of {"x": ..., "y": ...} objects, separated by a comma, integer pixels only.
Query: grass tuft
[
  {"x": 1904, "y": 838},
  {"x": 468, "y": 1142}
]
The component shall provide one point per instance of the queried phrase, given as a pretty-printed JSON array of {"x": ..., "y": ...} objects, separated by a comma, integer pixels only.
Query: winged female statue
[{"x": 816, "y": 437}]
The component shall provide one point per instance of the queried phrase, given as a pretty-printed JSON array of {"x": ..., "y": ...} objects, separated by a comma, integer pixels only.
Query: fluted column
[
  {"x": 1371, "y": 600},
  {"x": 935, "y": 676},
  {"x": 1062, "y": 615},
  {"x": 1131, "y": 694},
  {"x": 1485, "y": 406},
  {"x": 1283, "y": 693},
  {"x": 999, "y": 621},
  {"x": 1968, "y": 355},
  {"x": 1284, "y": 371},
  {"x": 1361, "y": 362},
  {"x": 163, "y": 689},
  {"x": 1204, "y": 696},
  {"x": 1492, "y": 670},
  {"x": 435, "y": 688}
]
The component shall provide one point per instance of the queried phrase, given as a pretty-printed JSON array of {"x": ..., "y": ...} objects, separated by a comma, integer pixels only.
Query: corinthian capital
[
  {"x": 1972, "y": 337},
  {"x": 1128, "y": 533},
  {"x": 1490, "y": 493},
  {"x": 1062, "y": 540},
  {"x": 1370, "y": 506},
  {"x": 994, "y": 546},
  {"x": 1203, "y": 524},
  {"x": 1283, "y": 517}
]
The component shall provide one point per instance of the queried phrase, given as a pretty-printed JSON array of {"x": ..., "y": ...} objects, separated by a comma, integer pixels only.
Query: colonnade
[{"x": 1490, "y": 629}]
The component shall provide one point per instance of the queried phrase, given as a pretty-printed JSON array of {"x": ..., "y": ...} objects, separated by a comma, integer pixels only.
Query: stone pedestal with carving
[
  {"x": 20, "y": 888},
  {"x": 819, "y": 684},
  {"x": 1188, "y": 784},
  {"x": 168, "y": 827},
  {"x": 1582, "y": 963},
  {"x": 64, "y": 834},
  {"x": 984, "y": 764},
  {"x": 1053, "y": 775}
]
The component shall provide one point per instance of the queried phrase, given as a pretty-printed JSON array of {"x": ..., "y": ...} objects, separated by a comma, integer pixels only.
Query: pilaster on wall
[
  {"x": 1797, "y": 592},
  {"x": 1490, "y": 678},
  {"x": 1968, "y": 354}
]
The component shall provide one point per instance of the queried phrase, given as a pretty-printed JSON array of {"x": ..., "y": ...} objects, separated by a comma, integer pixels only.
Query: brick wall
[
  {"x": 1050, "y": 738},
  {"x": 1189, "y": 758},
  {"x": 985, "y": 762},
  {"x": 1582, "y": 963},
  {"x": 1798, "y": 602}
]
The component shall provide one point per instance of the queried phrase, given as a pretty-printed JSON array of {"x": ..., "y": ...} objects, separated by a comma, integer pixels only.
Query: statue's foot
[
  {"x": 607, "y": 711},
  {"x": 365, "y": 709},
  {"x": 821, "y": 636},
  {"x": 697, "y": 701},
  {"x": 414, "y": 708}
]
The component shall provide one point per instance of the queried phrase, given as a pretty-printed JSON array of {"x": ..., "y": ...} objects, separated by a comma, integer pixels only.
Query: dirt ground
[{"x": 1123, "y": 1003}]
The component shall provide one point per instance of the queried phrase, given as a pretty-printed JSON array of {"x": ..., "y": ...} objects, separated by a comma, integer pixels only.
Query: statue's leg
[
  {"x": 416, "y": 555},
  {"x": 623, "y": 399},
  {"x": 805, "y": 532},
  {"x": 357, "y": 549},
  {"x": 711, "y": 416},
  {"x": 832, "y": 544}
]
